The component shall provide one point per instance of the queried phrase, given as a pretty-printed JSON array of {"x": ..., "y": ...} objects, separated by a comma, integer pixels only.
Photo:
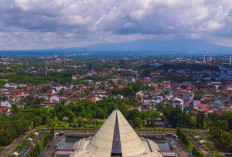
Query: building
[
  {"x": 188, "y": 96},
  {"x": 208, "y": 59},
  {"x": 204, "y": 59},
  {"x": 7, "y": 103},
  {"x": 91, "y": 66},
  {"x": 116, "y": 138},
  {"x": 178, "y": 102}
]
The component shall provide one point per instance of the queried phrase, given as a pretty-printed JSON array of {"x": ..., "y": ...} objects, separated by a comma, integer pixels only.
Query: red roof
[
  {"x": 104, "y": 73},
  {"x": 3, "y": 109},
  {"x": 72, "y": 99},
  {"x": 49, "y": 102},
  {"x": 120, "y": 86},
  {"x": 206, "y": 109},
  {"x": 201, "y": 106},
  {"x": 158, "y": 89}
]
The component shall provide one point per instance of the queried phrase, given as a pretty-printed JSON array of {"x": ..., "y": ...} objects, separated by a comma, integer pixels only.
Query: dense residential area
[
  {"x": 115, "y": 78},
  {"x": 79, "y": 91}
]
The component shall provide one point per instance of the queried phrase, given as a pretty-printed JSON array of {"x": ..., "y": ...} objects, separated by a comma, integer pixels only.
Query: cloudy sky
[{"x": 35, "y": 24}]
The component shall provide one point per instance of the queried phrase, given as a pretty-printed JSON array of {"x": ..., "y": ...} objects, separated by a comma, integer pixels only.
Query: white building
[
  {"x": 55, "y": 98},
  {"x": 178, "y": 102},
  {"x": 6, "y": 104}
]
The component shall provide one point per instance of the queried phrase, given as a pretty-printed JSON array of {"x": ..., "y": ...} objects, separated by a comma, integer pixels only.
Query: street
[
  {"x": 10, "y": 148},
  {"x": 50, "y": 150}
]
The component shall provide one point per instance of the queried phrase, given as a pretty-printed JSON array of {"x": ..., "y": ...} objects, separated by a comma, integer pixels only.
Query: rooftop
[{"x": 116, "y": 138}]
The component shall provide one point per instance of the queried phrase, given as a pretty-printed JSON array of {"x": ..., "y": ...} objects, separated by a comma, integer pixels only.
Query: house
[
  {"x": 217, "y": 104},
  {"x": 7, "y": 103},
  {"x": 4, "y": 110},
  {"x": 178, "y": 102},
  {"x": 148, "y": 104},
  {"x": 75, "y": 77},
  {"x": 68, "y": 86},
  {"x": 130, "y": 79},
  {"x": 119, "y": 96},
  {"x": 139, "y": 96},
  {"x": 71, "y": 100},
  {"x": 48, "y": 103},
  {"x": 94, "y": 99},
  {"x": 55, "y": 98},
  {"x": 169, "y": 96},
  {"x": 7, "y": 85},
  {"x": 157, "y": 100},
  {"x": 188, "y": 96},
  {"x": 202, "y": 107},
  {"x": 56, "y": 90},
  {"x": 45, "y": 97},
  {"x": 195, "y": 103}
]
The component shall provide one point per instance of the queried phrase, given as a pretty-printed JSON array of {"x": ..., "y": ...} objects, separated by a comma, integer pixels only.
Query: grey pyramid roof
[{"x": 116, "y": 137}]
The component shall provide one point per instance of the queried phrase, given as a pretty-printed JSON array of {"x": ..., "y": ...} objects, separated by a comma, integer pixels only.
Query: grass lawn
[{"x": 4, "y": 80}]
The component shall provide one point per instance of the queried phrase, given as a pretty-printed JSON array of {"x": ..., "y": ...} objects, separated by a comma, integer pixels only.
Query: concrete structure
[{"x": 116, "y": 138}]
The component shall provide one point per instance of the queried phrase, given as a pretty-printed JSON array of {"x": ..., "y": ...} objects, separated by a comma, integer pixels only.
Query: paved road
[
  {"x": 10, "y": 148},
  {"x": 181, "y": 151},
  {"x": 35, "y": 141},
  {"x": 50, "y": 150}
]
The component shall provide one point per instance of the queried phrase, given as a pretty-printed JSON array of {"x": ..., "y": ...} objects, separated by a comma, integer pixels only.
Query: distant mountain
[
  {"x": 193, "y": 46},
  {"x": 142, "y": 46}
]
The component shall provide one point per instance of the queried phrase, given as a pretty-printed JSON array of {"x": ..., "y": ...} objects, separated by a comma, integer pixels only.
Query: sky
[{"x": 42, "y": 24}]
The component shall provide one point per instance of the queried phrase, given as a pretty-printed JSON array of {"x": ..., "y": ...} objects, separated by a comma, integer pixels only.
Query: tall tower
[
  {"x": 230, "y": 60},
  {"x": 210, "y": 59},
  {"x": 204, "y": 59}
]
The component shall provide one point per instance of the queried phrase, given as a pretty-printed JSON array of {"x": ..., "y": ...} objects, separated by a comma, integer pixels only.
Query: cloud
[{"x": 26, "y": 24}]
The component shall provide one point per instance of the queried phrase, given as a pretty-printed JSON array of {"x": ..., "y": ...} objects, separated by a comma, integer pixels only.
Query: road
[
  {"x": 202, "y": 150},
  {"x": 180, "y": 150},
  {"x": 217, "y": 145},
  {"x": 10, "y": 148},
  {"x": 50, "y": 150},
  {"x": 35, "y": 141}
]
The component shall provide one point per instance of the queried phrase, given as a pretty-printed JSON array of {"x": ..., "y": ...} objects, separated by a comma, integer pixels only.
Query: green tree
[{"x": 138, "y": 123}]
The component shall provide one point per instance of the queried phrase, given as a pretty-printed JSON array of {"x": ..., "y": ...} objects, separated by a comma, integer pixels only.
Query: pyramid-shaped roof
[{"x": 116, "y": 137}]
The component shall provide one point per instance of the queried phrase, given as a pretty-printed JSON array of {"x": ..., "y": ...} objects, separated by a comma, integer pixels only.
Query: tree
[
  {"x": 182, "y": 137},
  {"x": 37, "y": 120},
  {"x": 44, "y": 89},
  {"x": 5, "y": 137},
  {"x": 138, "y": 123},
  {"x": 202, "y": 118},
  {"x": 198, "y": 120}
]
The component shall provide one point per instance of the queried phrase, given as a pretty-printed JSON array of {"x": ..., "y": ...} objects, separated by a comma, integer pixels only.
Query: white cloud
[{"x": 83, "y": 21}]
